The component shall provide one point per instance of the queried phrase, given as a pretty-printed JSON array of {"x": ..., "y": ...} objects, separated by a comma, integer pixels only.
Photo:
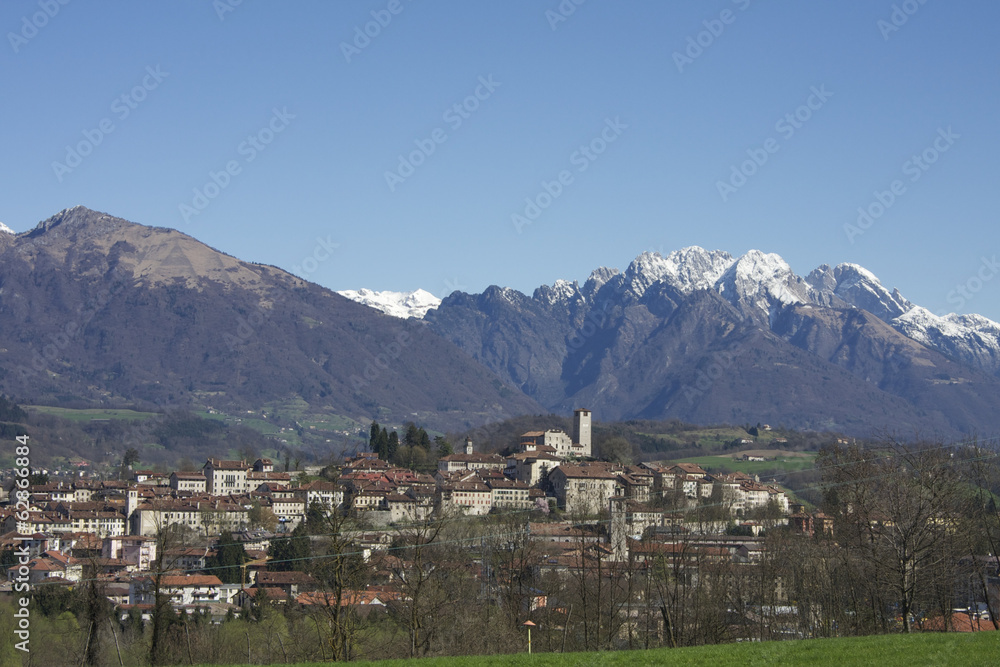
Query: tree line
[{"x": 416, "y": 450}]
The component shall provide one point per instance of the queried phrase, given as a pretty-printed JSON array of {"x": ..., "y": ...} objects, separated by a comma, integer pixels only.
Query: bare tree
[
  {"x": 342, "y": 573},
  {"x": 898, "y": 513}
]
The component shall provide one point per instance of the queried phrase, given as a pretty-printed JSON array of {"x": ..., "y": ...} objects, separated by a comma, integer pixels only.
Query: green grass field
[
  {"x": 788, "y": 463},
  {"x": 981, "y": 648},
  {"x": 318, "y": 428},
  {"x": 712, "y": 438}
]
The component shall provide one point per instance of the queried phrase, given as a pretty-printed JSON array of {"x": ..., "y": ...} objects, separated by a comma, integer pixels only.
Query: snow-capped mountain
[
  {"x": 5, "y": 229},
  {"x": 973, "y": 339},
  {"x": 858, "y": 287},
  {"x": 759, "y": 285},
  {"x": 705, "y": 336},
  {"x": 762, "y": 283},
  {"x": 398, "y": 304}
]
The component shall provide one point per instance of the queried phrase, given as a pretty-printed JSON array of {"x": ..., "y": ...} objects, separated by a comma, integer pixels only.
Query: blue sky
[{"x": 309, "y": 128}]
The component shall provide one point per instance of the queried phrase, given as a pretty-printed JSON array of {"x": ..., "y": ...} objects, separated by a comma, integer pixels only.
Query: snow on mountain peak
[
  {"x": 646, "y": 269},
  {"x": 757, "y": 272},
  {"x": 973, "y": 338},
  {"x": 857, "y": 286},
  {"x": 398, "y": 304},
  {"x": 7, "y": 230},
  {"x": 561, "y": 291},
  {"x": 694, "y": 268},
  {"x": 763, "y": 283},
  {"x": 856, "y": 270},
  {"x": 687, "y": 269},
  {"x": 598, "y": 278}
]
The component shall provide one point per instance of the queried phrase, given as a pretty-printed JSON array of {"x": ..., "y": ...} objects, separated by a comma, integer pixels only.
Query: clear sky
[{"x": 131, "y": 107}]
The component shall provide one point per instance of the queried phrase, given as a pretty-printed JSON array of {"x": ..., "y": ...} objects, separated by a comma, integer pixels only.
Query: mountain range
[
  {"x": 707, "y": 337},
  {"x": 95, "y": 309},
  {"x": 98, "y": 310}
]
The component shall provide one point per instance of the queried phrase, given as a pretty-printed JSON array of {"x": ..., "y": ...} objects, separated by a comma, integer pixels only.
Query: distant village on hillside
[{"x": 112, "y": 529}]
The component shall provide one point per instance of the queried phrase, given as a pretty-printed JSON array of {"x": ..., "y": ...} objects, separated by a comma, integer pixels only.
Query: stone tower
[{"x": 581, "y": 430}]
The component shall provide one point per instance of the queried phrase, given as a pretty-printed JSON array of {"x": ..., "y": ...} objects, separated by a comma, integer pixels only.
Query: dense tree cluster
[{"x": 415, "y": 450}]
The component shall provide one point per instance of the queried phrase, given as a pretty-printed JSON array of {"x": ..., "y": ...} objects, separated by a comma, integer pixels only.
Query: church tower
[{"x": 581, "y": 430}]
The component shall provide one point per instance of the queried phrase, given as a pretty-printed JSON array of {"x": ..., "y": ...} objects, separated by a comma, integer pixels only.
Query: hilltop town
[{"x": 112, "y": 530}]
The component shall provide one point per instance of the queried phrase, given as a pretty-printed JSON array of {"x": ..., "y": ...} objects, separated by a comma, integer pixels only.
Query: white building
[
  {"x": 184, "y": 589},
  {"x": 226, "y": 477}
]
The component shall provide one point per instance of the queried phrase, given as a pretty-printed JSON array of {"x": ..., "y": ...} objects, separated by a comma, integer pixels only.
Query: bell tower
[{"x": 581, "y": 430}]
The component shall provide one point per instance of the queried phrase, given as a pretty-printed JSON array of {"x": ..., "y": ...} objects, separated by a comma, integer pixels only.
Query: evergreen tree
[
  {"x": 383, "y": 444},
  {"x": 10, "y": 411},
  {"x": 289, "y": 553},
  {"x": 444, "y": 447},
  {"x": 412, "y": 436},
  {"x": 393, "y": 445},
  {"x": 373, "y": 437},
  {"x": 229, "y": 558},
  {"x": 315, "y": 518}
]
